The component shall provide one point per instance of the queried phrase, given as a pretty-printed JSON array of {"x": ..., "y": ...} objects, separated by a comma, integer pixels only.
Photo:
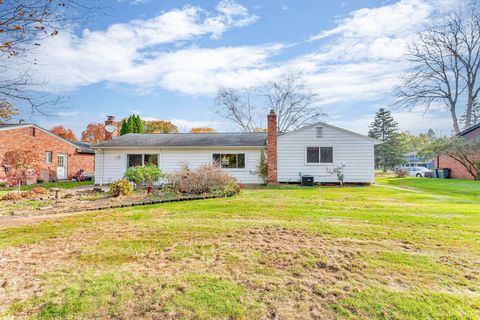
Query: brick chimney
[
  {"x": 108, "y": 122},
  {"x": 272, "y": 148}
]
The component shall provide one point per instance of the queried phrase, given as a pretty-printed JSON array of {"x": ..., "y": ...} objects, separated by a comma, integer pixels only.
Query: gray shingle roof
[
  {"x": 231, "y": 139},
  {"x": 83, "y": 147}
]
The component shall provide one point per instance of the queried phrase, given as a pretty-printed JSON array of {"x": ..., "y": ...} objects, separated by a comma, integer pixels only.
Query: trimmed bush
[
  {"x": 2, "y": 184},
  {"x": 121, "y": 188},
  {"x": 203, "y": 180}
]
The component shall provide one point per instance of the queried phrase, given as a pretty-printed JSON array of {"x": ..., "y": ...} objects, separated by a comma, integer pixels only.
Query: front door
[{"x": 61, "y": 166}]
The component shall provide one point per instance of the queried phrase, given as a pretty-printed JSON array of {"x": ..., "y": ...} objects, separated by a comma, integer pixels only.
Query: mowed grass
[{"x": 403, "y": 249}]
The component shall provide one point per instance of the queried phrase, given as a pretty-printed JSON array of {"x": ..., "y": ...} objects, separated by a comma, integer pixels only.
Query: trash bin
[
  {"x": 444, "y": 173},
  {"x": 441, "y": 173},
  {"x": 307, "y": 181}
]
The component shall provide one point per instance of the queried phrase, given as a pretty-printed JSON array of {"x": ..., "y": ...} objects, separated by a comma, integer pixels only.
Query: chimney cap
[
  {"x": 110, "y": 118},
  {"x": 272, "y": 111}
]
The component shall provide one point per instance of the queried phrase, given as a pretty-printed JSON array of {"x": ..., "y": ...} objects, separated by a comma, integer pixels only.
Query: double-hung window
[
  {"x": 141, "y": 159},
  {"x": 48, "y": 156},
  {"x": 319, "y": 155},
  {"x": 230, "y": 160}
]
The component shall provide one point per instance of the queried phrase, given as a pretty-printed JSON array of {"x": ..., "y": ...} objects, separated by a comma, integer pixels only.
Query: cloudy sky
[{"x": 166, "y": 59}]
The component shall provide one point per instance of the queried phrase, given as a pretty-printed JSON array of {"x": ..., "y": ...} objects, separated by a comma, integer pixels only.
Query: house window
[
  {"x": 141, "y": 159},
  {"x": 48, "y": 156},
  {"x": 32, "y": 131},
  {"x": 319, "y": 154},
  {"x": 230, "y": 160}
]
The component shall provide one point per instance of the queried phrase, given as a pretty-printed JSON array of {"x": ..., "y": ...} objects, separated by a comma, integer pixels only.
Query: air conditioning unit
[{"x": 308, "y": 181}]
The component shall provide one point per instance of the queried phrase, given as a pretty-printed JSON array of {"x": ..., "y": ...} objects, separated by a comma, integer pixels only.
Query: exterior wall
[
  {"x": 20, "y": 138},
  {"x": 353, "y": 151},
  {"x": 110, "y": 164},
  {"x": 457, "y": 171}
]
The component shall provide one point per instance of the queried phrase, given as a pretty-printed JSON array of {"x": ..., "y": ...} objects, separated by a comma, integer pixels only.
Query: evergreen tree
[
  {"x": 139, "y": 125},
  {"x": 130, "y": 125},
  {"x": 133, "y": 124},
  {"x": 391, "y": 152},
  {"x": 123, "y": 128}
]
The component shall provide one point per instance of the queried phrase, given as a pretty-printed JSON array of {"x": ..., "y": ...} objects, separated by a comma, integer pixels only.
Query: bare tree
[
  {"x": 445, "y": 65},
  {"x": 24, "y": 25},
  {"x": 289, "y": 97},
  {"x": 236, "y": 106}
]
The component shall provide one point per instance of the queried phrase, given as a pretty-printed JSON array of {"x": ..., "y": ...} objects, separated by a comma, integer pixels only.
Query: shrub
[
  {"x": 40, "y": 190},
  {"x": 143, "y": 175},
  {"x": 263, "y": 166},
  {"x": 205, "y": 179},
  {"x": 401, "y": 172},
  {"x": 121, "y": 188},
  {"x": 228, "y": 190},
  {"x": 30, "y": 194},
  {"x": 12, "y": 196},
  {"x": 2, "y": 184}
]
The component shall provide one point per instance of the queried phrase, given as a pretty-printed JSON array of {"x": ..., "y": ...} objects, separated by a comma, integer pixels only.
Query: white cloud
[
  {"x": 357, "y": 60},
  {"x": 136, "y": 52}
]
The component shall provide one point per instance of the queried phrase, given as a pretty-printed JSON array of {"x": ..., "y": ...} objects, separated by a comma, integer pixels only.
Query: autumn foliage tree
[
  {"x": 64, "y": 133},
  {"x": 23, "y": 166},
  {"x": 159, "y": 126},
  {"x": 202, "y": 130},
  {"x": 6, "y": 111},
  {"x": 95, "y": 132}
]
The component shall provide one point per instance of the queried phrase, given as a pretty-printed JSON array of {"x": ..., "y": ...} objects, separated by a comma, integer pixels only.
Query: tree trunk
[
  {"x": 455, "y": 120},
  {"x": 468, "y": 112}
]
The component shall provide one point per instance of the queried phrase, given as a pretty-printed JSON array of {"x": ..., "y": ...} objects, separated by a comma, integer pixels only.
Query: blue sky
[{"x": 166, "y": 59}]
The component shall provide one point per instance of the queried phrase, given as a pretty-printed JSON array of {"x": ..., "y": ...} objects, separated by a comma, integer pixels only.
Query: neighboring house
[
  {"x": 412, "y": 159},
  {"x": 61, "y": 158},
  {"x": 312, "y": 150},
  {"x": 457, "y": 171}
]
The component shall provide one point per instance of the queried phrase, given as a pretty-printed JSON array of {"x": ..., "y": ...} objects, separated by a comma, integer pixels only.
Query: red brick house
[
  {"x": 61, "y": 158},
  {"x": 457, "y": 170}
]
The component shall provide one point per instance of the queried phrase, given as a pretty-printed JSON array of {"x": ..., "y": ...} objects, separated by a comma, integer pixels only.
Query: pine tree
[
  {"x": 391, "y": 152},
  {"x": 133, "y": 124},
  {"x": 139, "y": 124},
  {"x": 130, "y": 125},
  {"x": 123, "y": 128}
]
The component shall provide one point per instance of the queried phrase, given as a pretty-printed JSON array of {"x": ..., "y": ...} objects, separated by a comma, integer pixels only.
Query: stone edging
[{"x": 144, "y": 203}]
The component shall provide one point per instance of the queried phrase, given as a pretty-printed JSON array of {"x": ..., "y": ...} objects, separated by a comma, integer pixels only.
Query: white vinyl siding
[
  {"x": 114, "y": 162},
  {"x": 354, "y": 151}
]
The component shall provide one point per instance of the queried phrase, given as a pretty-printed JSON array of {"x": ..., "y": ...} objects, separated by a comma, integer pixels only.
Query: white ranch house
[{"x": 312, "y": 150}]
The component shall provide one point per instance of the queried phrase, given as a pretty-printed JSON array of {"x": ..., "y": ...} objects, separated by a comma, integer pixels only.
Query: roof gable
[
  {"x": 352, "y": 133},
  {"x": 468, "y": 130},
  {"x": 81, "y": 146}
]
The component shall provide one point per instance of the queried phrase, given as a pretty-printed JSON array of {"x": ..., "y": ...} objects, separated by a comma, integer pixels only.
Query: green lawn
[{"x": 403, "y": 249}]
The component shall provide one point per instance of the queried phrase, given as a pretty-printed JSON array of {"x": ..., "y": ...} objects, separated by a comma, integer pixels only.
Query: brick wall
[
  {"x": 22, "y": 138},
  {"x": 457, "y": 171}
]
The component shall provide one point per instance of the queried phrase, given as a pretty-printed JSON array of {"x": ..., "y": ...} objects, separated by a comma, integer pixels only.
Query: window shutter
[{"x": 319, "y": 132}]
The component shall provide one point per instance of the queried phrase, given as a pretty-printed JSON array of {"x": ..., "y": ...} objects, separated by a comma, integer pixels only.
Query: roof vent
[
  {"x": 21, "y": 121},
  {"x": 319, "y": 131}
]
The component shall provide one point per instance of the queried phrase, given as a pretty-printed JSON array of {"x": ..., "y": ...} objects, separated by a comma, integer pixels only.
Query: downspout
[{"x": 103, "y": 167}]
